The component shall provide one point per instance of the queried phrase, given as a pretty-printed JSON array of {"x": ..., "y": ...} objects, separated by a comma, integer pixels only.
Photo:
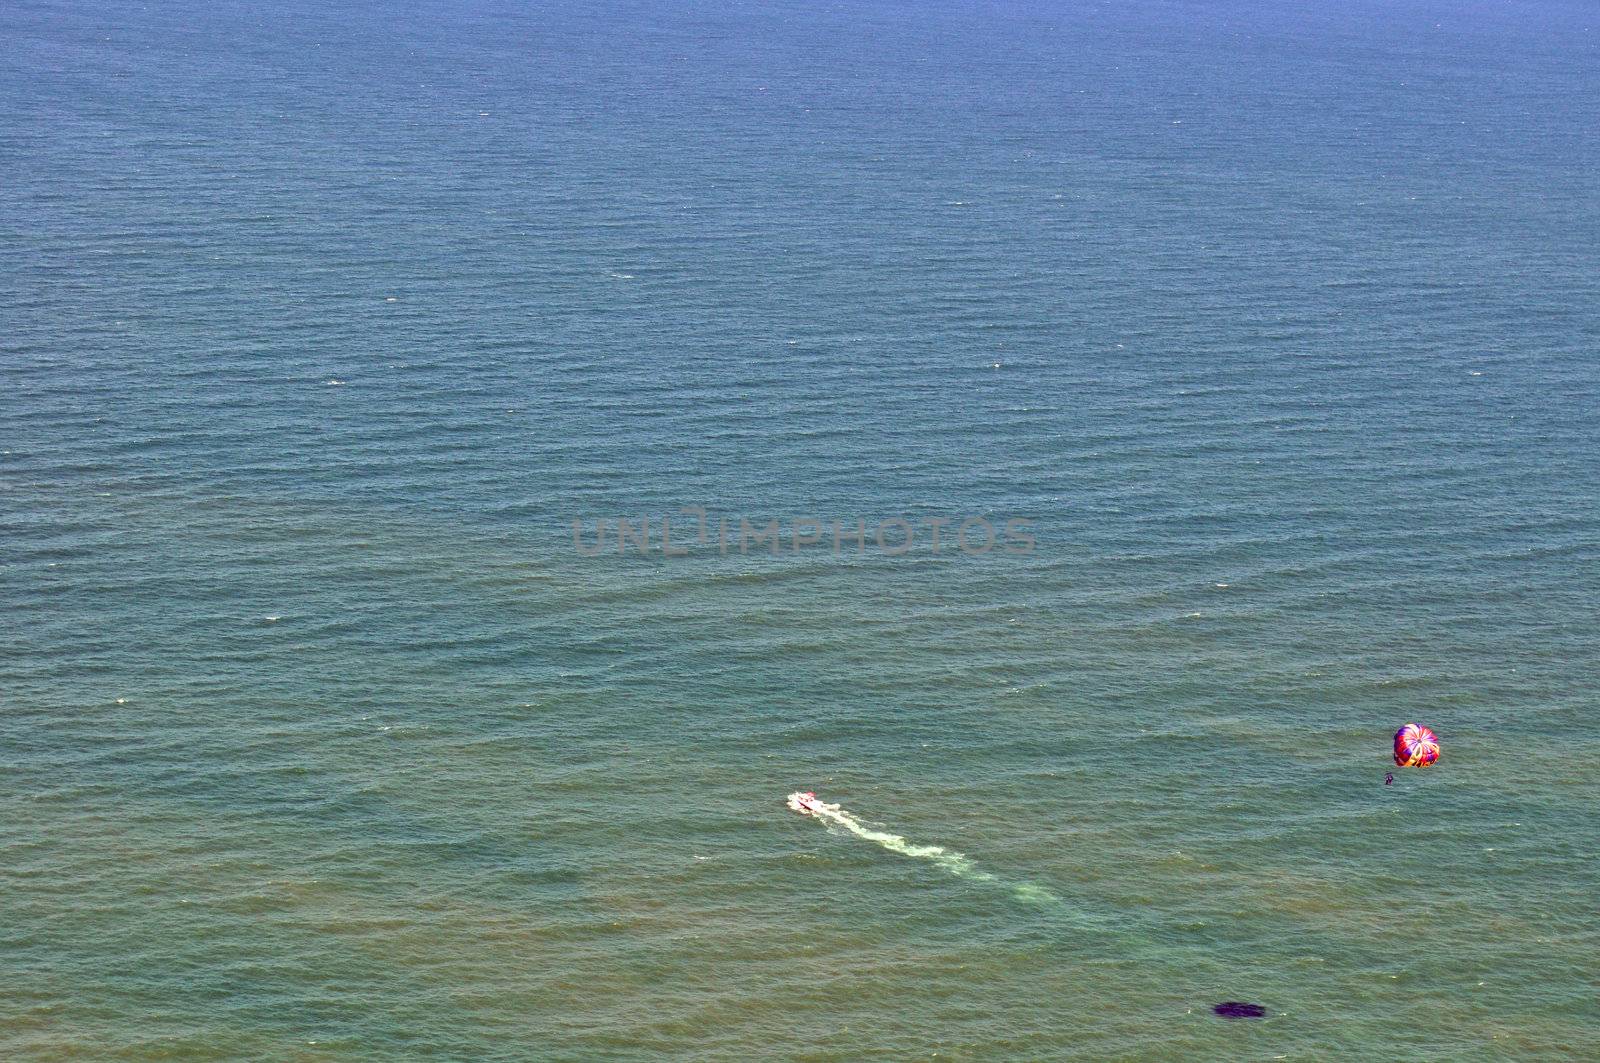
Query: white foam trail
[{"x": 958, "y": 864}]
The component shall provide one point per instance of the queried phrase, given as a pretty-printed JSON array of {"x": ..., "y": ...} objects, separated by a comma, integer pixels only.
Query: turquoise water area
[{"x": 320, "y": 741}]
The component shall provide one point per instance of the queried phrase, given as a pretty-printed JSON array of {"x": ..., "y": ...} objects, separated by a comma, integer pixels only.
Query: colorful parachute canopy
[{"x": 1415, "y": 746}]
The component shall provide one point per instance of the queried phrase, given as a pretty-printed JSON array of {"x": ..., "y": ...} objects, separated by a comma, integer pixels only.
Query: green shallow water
[
  {"x": 320, "y": 740},
  {"x": 476, "y": 806}
]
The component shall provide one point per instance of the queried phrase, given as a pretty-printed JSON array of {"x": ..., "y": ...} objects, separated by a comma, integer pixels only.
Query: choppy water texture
[{"x": 321, "y": 321}]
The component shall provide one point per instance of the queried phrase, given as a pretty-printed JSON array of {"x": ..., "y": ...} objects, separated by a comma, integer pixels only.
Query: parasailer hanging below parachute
[{"x": 1415, "y": 746}]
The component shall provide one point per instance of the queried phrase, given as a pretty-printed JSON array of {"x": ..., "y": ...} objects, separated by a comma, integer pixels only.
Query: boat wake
[{"x": 958, "y": 864}]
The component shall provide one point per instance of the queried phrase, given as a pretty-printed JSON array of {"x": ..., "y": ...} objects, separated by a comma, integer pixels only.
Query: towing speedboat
[{"x": 805, "y": 802}]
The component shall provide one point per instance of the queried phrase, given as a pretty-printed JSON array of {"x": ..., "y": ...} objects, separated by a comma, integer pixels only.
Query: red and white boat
[{"x": 805, "y": 802}]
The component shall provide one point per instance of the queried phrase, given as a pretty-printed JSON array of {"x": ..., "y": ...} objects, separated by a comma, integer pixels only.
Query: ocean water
[{"x": 321, "y": 739}]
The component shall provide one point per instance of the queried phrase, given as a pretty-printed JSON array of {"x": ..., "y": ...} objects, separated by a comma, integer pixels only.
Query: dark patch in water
[{"x": 1238, "y": 1009}]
